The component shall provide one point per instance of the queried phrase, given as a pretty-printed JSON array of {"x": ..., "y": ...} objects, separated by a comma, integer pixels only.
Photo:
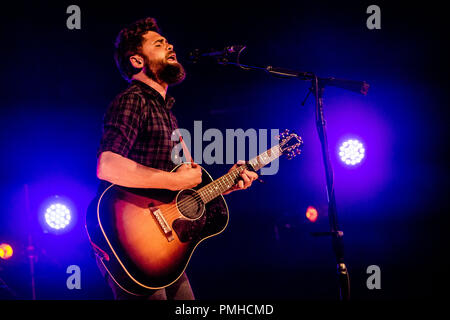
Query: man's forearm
[{"x": 119, "y": 170}]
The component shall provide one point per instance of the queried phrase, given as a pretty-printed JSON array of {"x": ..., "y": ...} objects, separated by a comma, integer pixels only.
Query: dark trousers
[{"x": 179, "y": 290}]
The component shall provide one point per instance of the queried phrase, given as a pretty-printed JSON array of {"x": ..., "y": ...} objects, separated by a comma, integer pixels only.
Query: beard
[{"x": 170, "y": 73}]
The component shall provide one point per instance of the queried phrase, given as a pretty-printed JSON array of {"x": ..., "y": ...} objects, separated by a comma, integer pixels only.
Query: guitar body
[{"x": 147, "y": 236}]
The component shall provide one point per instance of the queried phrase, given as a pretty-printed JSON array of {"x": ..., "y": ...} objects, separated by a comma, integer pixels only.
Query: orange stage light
[
  {"x": 312, "y": 214},
  {"x": 6, "y": 251}
]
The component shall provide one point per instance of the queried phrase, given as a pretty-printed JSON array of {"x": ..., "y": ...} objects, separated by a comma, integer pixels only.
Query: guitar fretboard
[{"x": 219, "y": 186}]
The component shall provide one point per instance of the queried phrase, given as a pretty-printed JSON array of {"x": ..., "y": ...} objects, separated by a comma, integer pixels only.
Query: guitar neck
[{"x": 219, "y": 186}]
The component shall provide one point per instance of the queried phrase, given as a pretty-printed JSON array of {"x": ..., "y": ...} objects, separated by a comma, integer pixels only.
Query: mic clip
[{"x": 220, "y": 56}]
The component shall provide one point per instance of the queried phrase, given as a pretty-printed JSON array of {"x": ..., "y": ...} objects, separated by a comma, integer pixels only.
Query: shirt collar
[{"x": 168, "y": 103}]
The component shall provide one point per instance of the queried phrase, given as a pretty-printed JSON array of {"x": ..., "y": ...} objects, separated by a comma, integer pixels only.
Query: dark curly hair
[{"x": 129, "y": 42}]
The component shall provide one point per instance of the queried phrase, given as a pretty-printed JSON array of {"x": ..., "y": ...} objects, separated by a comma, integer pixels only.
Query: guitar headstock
[{"x": 290, "y": 144}]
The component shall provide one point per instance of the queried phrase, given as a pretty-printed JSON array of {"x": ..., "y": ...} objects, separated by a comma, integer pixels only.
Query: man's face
[{"x": 160, "y": 60}]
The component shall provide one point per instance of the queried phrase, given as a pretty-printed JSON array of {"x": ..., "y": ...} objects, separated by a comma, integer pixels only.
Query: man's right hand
[{"x": 188, "y": 175}]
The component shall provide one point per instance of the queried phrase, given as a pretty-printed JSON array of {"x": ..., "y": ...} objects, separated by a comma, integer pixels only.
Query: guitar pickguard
[{"x": 212, "y": 221}]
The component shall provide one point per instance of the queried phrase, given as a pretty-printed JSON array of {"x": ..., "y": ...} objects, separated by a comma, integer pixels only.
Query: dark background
[{"x": 57, "y": 83}]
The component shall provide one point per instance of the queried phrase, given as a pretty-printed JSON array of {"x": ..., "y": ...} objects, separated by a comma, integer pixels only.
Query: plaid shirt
[{"x": 138, "y": 125}]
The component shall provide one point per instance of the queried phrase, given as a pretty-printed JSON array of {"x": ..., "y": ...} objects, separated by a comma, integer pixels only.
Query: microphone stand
[
  {"x": 318, "y": 87},
  {"x": 336, "y": 235},
  {"x": 30, "y": 247}
]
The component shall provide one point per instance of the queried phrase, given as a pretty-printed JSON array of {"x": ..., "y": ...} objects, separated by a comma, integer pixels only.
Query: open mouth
[{"x": 172, "y": 58}]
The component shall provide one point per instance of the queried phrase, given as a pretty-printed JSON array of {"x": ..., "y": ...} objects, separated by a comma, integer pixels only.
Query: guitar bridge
[{"x": 165, "y": 228}]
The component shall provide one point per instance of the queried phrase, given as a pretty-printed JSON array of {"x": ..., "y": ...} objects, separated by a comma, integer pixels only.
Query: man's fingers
[
  {"x": 253, "y": 176},
  {"x": 246, "y": 180},
  {"x": 250, "y": 174},
  {"x": 247, "y": 177}
]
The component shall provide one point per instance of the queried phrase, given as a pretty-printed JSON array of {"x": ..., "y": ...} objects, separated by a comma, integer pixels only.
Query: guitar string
[
  {"x": 188, "y": 203},
  {"x": 173, "y": 211},
  {"x": 192, "y": 203}
]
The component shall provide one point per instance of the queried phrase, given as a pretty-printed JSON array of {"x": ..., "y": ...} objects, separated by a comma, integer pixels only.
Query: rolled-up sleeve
[{"x": 121, "y": 124}]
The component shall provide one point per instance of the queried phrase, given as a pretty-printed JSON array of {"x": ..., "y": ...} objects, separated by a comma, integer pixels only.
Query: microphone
[{"x": 198, "y": 54}]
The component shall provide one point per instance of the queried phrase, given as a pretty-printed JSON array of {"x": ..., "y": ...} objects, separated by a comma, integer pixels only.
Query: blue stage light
[
  {"x": 352, "y": 152},
  {"x": 58, "y": 216}
]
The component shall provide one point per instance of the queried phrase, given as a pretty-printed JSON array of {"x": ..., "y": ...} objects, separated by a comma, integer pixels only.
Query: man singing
[{"x": 135, "y": 149}]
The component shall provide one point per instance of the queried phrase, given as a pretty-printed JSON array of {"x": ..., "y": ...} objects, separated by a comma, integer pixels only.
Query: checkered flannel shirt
[{"x": 138, "y": 125}]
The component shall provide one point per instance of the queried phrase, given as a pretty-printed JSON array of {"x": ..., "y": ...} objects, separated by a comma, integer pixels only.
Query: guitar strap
[{"x": 186, "y": 153}]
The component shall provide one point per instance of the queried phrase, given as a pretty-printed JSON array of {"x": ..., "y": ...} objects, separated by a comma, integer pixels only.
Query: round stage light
[
  {"x": 57, "y": 216},
  {"x": 312, "y": 214},
  {"x": 352, "y": 152},
  {"x": 6, "y": 251}
]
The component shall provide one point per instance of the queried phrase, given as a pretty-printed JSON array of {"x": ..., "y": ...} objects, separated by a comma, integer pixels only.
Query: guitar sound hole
[{"x": 190, "y": 204}]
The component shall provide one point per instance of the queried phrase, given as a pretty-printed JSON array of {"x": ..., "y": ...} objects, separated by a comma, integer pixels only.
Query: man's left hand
[{"x": 247, "y": 177}]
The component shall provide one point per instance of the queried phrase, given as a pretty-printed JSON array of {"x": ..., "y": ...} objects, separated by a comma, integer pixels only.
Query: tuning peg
[{"x": 298, "y": 151}]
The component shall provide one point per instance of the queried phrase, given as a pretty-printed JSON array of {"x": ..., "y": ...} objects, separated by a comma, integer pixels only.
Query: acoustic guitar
[{"x": 146, "y": 237}]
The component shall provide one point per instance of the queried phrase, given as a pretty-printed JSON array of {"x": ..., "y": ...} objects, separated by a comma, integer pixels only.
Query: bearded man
[{"x": 136, "y": 145}]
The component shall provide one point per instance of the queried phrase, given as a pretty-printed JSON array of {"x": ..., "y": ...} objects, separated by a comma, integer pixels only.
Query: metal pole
[{"x": 30, "y": 247}]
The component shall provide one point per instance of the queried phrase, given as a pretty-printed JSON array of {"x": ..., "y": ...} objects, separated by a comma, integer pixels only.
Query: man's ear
[{"x": 137, "y": 61}]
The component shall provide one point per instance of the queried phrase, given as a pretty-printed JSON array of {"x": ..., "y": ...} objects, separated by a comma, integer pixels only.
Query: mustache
[{"x": 171, "y": 54}]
